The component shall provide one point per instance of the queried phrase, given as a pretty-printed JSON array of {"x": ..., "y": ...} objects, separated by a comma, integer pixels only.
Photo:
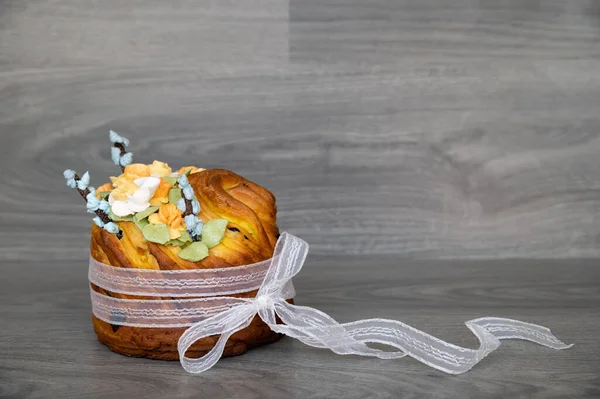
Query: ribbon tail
[
  {"x": 317, "y": 329},
  {"x": 454, "y": 359},
  {"x": 226, "y": 324},
  {"x": 503, "y": 328}
]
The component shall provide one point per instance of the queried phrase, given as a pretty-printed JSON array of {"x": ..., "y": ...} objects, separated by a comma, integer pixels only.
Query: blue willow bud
[
  {"x": 183, "y": 181},
  {"x": 104, "y": 206},
  {"x": 83, "y": 183},
  {"x": 111, "y": 228},
  {"x": 198, "y": 228},
  {"x": 116, "y": 138},
  {"x": 190, "y": 222},
  {"x": 195, "y": 207},
  {"x": 92, "y": 201},
  {"x": 181, "y": 205},
  {"x": 69, "y": 175},
  {"x": 98, "y": 221},
  {"x": 188, "y": 193},
  {"x": 126, "y": 159},
  {"x": 115, "y": 155}
]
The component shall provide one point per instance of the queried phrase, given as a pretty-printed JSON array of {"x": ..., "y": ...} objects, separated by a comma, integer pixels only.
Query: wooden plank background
[
  {"x": 406, "y": 135},
  {"x": 416, "y": 128}
]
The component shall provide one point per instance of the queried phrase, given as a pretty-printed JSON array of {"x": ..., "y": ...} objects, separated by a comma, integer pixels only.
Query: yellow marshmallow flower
[
  {"x": 159, "y": 169},
  {"x": 171, "y": 216},
  {"x": 124, "y": 184},
  {"x": 122, "y": 188},
  {"x": 161, "y": 196},
  {"x": 136, "y": 171},
  {"x": 104, "y": 188}
]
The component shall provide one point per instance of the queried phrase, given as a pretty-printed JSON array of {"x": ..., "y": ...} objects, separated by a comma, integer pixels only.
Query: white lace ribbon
[
  {"x": 178, "y": 283},
  {"x": 208, "y": 315}
]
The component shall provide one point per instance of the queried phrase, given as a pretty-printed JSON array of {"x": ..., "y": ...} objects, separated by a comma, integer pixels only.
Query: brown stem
[
  {"x": 121, "y": 147},
  {"x": 189, "y": 210},
  {"x": 101, "y": 214},
  {"x": 188, "y": 207}
]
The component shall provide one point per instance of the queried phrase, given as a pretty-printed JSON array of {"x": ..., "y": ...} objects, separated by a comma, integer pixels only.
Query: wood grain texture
[
  {"x": 415, "y": 128},
  {"x": 394, "y": 133},
  {"x": 49, "y": 349}
]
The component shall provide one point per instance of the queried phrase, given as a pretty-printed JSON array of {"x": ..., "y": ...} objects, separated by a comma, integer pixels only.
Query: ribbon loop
[
  {"x": 288, "y": 258},
  {"x": 224, "y": 316},
  {"x": 225, "y": 324}
]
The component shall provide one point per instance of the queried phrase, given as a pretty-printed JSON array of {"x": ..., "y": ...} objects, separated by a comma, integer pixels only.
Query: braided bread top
[{"x": 250, "y": 237}]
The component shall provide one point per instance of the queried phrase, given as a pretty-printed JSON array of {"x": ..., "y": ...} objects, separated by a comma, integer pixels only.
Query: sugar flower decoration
[
  {"x": 107, "y": 187},
  {"x": 169, "y": 215},
  {"x": 94, "y": 205},
  {"x": 161, "y": 196},
  {"x": 188, "y": 193},
  {"x": 136, "y": 201},
  {"x": 116, "y": 138},
  {"x": 111, "y": 227},
  {"x": 181, "y": 205},
  {"x": 159, "y": 169},
  {"x": 195, "y": 206},
  {"x": 84, "y": 181},
  {"x": 69, "y": 175},
  {"x": 122, "y": 188},
  {"x": 92, "y": 200},
  {"x": 154, "y": 196},
  {"x": 183, "y": 182},
  {"x": 194, "y": 225},
  {"x": 118, "y": 152},
  {"x": 135, "y": 171},
  {"x": 190, "y": 207}
]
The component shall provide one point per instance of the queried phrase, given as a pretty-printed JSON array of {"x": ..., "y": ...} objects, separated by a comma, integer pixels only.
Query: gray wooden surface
[
  {"x": 401, "y": 136},
  {"x": 49, "y": 350}
]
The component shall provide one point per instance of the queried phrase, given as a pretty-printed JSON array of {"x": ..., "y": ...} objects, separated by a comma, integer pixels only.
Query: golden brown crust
[
  {"x": 251, "y": 237},
  {"x": 249, "y": 208},
  {"x": 162, "y": 343}
]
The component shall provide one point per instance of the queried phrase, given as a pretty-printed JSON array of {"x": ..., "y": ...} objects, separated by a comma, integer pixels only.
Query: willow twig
[{"x": 100, "y": 213}]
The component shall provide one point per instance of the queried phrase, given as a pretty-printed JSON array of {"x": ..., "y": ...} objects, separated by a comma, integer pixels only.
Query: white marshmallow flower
[{"x": 138, "y": 201}]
